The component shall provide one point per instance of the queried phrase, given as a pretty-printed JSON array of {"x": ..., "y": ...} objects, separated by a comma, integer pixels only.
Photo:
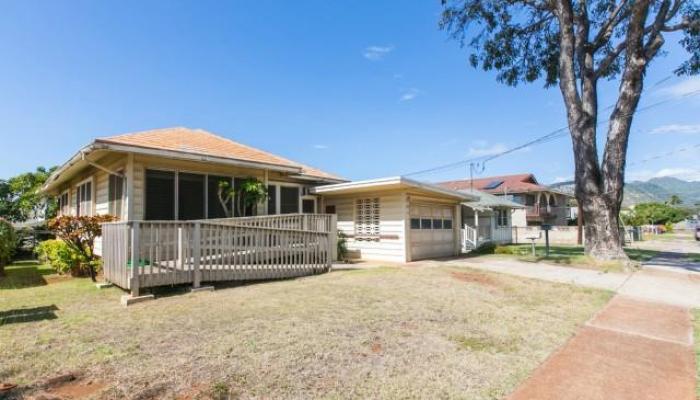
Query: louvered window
[{"x": 367, "y": 219}]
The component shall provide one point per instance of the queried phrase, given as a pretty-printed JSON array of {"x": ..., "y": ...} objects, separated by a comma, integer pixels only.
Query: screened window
[
  {"x": 271, "y": 200},
  {"x": 84, "y": 199},
  {"x": 214, "y": 207},
  {"x": 308, "y": 206},
  {"x": 116, "y": 195},
  {"x": 289, "y": 199},
  {"x": 63, "y": 203},
  {"x": 160, "y": 195},
  {"x": 190, "y": 202},
  {"x": 367, "y": 217}
]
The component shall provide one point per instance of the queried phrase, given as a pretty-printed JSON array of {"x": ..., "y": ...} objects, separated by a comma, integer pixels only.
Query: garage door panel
[{"x": 436, "y": 242}]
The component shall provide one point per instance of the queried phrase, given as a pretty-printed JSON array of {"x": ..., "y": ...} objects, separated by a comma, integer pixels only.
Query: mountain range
[{"x": 653, "y": 190}]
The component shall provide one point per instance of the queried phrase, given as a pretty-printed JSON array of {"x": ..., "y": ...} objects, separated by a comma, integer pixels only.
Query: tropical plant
[
  {"x": 8, "y": 243},
  {"x": 80, "y": 234},
  {"x": 62, "y": 257},
  {"x": 342, "y": 246},
  {"x": 653, "y": 214},
  {"x": 249, "y": 193},
  {"x": 20, "y": 199},
  {"x": 575, "y": 44}
]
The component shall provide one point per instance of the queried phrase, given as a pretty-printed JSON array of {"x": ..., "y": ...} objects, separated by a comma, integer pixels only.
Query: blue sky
[{"x": 363, "y": 89}]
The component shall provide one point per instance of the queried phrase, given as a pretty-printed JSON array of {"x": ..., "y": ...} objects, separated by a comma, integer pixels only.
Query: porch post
[
  {"x": 476, "y": 228},
  {"x": 333, "y": 239},
  {"x": 196, "y": 254},
  {"x": 135, "y": 247}
]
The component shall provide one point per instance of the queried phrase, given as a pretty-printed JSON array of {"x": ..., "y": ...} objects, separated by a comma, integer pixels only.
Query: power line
[{"x": 556, "y": 134}]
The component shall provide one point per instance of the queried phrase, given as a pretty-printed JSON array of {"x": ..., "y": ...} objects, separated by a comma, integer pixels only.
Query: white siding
[{"x": 391, "y": 244}]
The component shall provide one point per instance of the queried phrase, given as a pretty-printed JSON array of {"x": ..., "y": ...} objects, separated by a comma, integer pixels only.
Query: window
[
  {"x": 367, "y": 217},
  {"x": 271, "y": 200},
  {"x": 289, "y": 199},
  {"x": 447, "y": 224},
  {"x": 427, "y": 217},
  {"x": 190, "y": 196},
  {"x": 426, "y": 223},
  {"x": 415, "y": 223},
  {"x": 437, "y": 224},
  {"x": 63, "y": 203},
  {"x": 84, "y": 199},
  {"x": 330, "y": 209},
  {"x": 116, "y": 195},
  {"x": 308, "y": 206},
  {"x": 214, "y": 207},
  {"x": 160, "y": 195},
  {"x": 501, "y": 218}
]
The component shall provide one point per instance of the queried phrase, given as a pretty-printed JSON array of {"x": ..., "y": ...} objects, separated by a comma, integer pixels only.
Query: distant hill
[{"x": 653, "y": 190}]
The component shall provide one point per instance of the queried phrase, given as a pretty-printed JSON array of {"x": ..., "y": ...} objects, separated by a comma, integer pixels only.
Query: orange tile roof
[
  {"x": 198, "y": 141},
  {"x": 518, "y": 183}
]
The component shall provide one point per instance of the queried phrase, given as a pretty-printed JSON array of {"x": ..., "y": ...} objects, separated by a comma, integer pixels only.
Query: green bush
[
  {"x": 486, "y": 248},
  {"x": 513, "y": 250},
  {"x": 8, "y": 243},
  {"x": 57, "y": 253}
]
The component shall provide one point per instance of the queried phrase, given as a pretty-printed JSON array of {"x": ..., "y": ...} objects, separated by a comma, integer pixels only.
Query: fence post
[
  {"x": 135, "y": 250},
  {"x": 196, "y": 254},
  {"x": 333, "y": 239}
]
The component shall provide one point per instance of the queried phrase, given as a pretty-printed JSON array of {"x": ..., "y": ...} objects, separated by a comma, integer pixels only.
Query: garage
[{"x": 432, "y": 230}]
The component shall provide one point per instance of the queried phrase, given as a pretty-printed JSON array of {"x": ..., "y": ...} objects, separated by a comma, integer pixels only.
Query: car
[{"x": 697, "y": 233}]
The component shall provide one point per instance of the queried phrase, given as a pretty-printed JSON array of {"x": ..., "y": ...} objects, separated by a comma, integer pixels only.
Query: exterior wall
[
  {"x": 391, "y": 246},
  {"x": 518, "y": 217}
]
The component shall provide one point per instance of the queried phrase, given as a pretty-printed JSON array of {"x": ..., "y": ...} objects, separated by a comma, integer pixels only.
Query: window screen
[
  {"x": 289, "y": 200},
  {"x": 308, "y": 206},
  {"x": 215, "y": 208},
  {"x": 190, "y": 202},
  {"x": 271, "y": 200},
  {"x": 84, "y": 203},
  {"x": 160, "y": 195},
  {"x": 116, "y": 195}
]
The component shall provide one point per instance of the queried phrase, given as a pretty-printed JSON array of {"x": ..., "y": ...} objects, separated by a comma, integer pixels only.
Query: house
[
  {"x": 487, "y": 220},
  {"x": 542, "y": 205},
  {"x": 175, "y": 226}
]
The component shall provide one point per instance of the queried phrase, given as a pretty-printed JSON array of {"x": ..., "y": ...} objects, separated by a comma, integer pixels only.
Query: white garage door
[{"x": 432, "y": 233}]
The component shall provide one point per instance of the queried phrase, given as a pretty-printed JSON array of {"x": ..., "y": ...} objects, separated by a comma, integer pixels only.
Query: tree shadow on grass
[
  {"x": 28, "y": 314},
  {"x": 24, "y": 274}
]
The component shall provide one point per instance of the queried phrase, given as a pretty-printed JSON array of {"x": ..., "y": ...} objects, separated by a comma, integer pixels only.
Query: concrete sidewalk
[
  {"x": 632, "y": 349},
  {"x": 670, "y": 287}
]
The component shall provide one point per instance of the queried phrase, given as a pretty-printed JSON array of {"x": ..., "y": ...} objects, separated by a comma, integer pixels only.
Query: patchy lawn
[
  {"x": 573, "y": 256},
  {"x": 369, "y": 333}
]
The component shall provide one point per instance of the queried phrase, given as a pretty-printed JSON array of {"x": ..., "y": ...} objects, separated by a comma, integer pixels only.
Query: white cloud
[
  {"x": 688, "y": 174},
  {"x": 686, "y": 87},
  {"x": 320, "y": 146},
  {"x": 376, "y": 53},
  {"x": 483, "y": 149},
  {"x": 409, "y": 94},
  {"x": 677, "y": 128}
]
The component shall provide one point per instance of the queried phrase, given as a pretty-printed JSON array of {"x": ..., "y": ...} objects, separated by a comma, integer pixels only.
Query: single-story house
[
  {"x": 542, "y": 205},
  {"x": 163, "y": 186}
]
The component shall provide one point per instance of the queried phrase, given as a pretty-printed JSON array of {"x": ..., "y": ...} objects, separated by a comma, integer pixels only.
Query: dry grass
[{"x": 415, "y": 332}]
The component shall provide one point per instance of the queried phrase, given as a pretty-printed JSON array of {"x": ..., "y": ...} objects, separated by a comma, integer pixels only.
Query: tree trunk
[{"x": 602, "y": 239}]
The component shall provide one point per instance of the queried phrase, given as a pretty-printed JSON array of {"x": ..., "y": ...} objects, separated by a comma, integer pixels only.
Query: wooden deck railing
[{"x": 140, "y": 254}]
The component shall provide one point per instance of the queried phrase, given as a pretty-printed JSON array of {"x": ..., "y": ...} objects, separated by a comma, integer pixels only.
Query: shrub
[
  {"x": 57, "y": 253},
  {"x": 342, "y": 246},
  {"x": 8, "y": 243},
  {"x": 80, "y": 233},
  {"x": 486, "y": 248}
]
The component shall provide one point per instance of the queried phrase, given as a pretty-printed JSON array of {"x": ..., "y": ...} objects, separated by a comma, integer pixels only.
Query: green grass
[{"x": 402, "y": 332}]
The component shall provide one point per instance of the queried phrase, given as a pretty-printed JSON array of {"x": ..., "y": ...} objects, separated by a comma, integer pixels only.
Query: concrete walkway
[
  {"x": 652, "y": 284},
  {"x": 632, "y": 349}
]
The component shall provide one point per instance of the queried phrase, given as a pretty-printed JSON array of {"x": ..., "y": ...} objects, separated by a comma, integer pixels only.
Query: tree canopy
[
  {"x": 654, "y": 214},
  {"x": 20, "y": 199}
]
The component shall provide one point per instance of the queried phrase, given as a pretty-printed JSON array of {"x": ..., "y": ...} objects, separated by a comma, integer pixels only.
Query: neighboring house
[
  {"x": 542, "y": 205},
  {"x": 489, "y": 219}
]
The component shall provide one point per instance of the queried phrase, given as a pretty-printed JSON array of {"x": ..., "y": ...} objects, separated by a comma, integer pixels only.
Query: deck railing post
[
  {"x": 135, "y": 251},
  {"x": 197, "y": 254},
  {"x": 180, "y": 248},
  {"x": 333, "y": 240}
]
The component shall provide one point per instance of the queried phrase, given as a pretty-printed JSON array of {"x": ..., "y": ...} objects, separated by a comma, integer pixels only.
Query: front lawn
[{"x": 411, "y": 332}]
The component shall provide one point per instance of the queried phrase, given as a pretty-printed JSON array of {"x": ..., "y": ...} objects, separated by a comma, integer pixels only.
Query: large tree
[
  {"x": 575, "y": 44},
  {"x": 20, "y": 199}
]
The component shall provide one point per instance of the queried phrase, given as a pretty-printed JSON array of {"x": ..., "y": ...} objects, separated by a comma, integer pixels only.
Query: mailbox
[{"x": 546, "y": 227}]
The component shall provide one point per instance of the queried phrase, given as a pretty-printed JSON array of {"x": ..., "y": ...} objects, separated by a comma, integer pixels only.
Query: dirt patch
[
  {"x": 77, "y": 389},
  {"x": 475, "y": 277},
  {"x": 51, "y": 279},
  {"x": 376, "y": 347}
]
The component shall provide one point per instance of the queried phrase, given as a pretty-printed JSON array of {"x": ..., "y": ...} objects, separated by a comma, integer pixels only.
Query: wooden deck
[{"x": 142, "y": 254}]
